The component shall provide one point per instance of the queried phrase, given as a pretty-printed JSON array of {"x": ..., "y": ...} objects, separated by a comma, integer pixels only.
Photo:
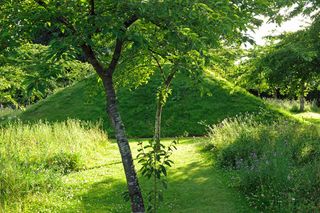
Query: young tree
[{"x": 106, "y": 30}]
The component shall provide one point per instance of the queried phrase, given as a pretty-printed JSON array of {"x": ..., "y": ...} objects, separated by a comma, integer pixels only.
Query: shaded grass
[{"x": 185, "y": 113}]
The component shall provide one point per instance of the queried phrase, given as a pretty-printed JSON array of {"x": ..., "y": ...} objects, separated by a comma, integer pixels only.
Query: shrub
[{"x": 276, "y": 166}]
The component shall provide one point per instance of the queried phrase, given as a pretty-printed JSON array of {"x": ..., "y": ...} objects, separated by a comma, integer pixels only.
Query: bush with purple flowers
[{"x": 276, "y": 166}]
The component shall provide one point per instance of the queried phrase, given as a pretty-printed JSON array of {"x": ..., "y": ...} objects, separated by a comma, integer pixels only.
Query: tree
[
  {"x": 106, "y": 30},
  {"x": 291, "y": 64}
]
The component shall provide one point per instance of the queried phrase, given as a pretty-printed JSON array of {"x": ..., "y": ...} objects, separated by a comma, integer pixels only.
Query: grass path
[
  {"x": 312, "y": 117},
  {"x": 194, "y": 186}
]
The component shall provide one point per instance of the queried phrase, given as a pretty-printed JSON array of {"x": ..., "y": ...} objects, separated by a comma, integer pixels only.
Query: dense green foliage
[
  {"x": 187, "y": 111},
  {"x": 125, "y": 42},
  {"x": 33, "y": 158},
  {"x": 275, "y": 166},
  {"x": 290, "y": 64},
  {"x": 29, "y": 73}
]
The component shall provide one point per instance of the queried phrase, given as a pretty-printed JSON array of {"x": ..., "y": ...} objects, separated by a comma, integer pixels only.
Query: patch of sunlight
[
  {"x": 200, "y": 180},
  {"x": 307, "y": 115}
]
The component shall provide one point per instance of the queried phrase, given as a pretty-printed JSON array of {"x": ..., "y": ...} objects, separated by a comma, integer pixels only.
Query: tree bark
[
  {"x": 301, "y": 98},
  {"x": 137, "y": 204},
  {"x": 157, "y": 126},
  {"x": 136, "y": 198}
]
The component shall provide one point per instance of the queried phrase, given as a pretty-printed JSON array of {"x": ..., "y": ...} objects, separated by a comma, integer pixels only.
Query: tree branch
[
  {"x": 119, "y": 44},
  {"x": 60, "y": 19},
  {"x": 87, "y": 49},
  {"x": 92, "y": 59},
  {"x": 159, "y": 66},
  {"x": 92, "y": 10}
]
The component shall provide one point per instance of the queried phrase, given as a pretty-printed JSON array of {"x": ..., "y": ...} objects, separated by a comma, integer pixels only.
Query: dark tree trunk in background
[{"x": 301, "y": 98}]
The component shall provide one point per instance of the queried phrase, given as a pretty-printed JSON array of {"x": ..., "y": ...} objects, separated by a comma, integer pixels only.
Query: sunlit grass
[
  {"x": 194, "y": 184},
  {"x": 185, "y": 112},
  {"x": 292, "y": 105},
  {"x": 34, "y": 158}
]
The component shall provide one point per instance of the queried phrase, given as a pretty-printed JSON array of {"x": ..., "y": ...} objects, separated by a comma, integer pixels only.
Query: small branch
[
  {"x": 159, "y": 66},
  {"x": 92, "y": 59},
  {"x": 119, "y": 44},
  {"x": 92, "y": 10},
  {"x": 60, "y": 19},
  {"x": 159, "y": 54},
  {"x": 170, "y": 77}
]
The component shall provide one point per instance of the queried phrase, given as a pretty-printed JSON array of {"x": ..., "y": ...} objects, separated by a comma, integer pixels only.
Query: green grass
[
  {"x": 293, "y": 106},
  {"x": 275, "y": 166},
  {"x": 311, "y": 117},
  {"x": 194, "y": 186},
  {"x": 97, "y": 184},
  {"x": 291, "y": 109},
  {"x": 34, "y": 158},
  {"x": 185, "y": 113}
]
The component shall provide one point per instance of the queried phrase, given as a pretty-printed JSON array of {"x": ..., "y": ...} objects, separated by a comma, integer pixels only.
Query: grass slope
[
  {"x": 181, "y": 116},
  {"x": 194, "y": 186}
]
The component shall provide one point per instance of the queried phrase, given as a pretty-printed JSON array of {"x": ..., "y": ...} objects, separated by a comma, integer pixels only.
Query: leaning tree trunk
[
  {"x": 301, "y": 98},
  {"x": 137, "y": 204}
]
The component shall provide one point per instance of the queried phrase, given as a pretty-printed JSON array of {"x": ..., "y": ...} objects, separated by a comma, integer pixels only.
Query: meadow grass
[
  {"x": 33, "y": 158},
  {"x": 71, "y": 167},
  {"x": 276, "y": 166},
  {"x": 292, "y": 105}
]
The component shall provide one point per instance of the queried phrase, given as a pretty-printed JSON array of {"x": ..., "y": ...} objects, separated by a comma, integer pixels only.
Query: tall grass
[
  {"x": 8, "y": 113},
  {"x": 33, "y": 158},
  {"x": 276, "y": 166},
  {"x": 293, "y": 105}
]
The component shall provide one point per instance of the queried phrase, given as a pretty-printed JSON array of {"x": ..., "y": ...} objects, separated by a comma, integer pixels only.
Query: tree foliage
[
  {"x": 290, "y": 63},
  {"x": 29, "y": 73}
]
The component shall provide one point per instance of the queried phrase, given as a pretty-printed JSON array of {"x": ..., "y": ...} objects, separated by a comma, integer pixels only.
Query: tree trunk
[
  {"x": 276, "y": 93},
  {"x": 137, "y": 205},
  {"x": 301, "y": 98},
  {"x": 157, "y": 126}
]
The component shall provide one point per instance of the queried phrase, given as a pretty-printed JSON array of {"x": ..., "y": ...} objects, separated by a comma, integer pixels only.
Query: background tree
[{"x": 291, "y": 64}]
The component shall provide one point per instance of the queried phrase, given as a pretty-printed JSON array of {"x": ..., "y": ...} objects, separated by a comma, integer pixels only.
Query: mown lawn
[
  {"x": 312, "y": 117},
  {"x": 194, "y": 186}
]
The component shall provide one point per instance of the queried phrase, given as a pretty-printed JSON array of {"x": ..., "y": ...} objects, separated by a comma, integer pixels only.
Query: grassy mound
[{"x": 185, "y": 113}]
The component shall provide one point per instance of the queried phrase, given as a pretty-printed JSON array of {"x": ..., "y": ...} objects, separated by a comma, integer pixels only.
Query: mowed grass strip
[{"x": 194, "y": 186}]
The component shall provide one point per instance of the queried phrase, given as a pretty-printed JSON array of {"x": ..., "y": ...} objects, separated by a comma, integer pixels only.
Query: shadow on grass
[
  {"x": 192, "y": 188},
  {"x": 106, "y": 196},
  {"x": 200, "y": 188}
]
